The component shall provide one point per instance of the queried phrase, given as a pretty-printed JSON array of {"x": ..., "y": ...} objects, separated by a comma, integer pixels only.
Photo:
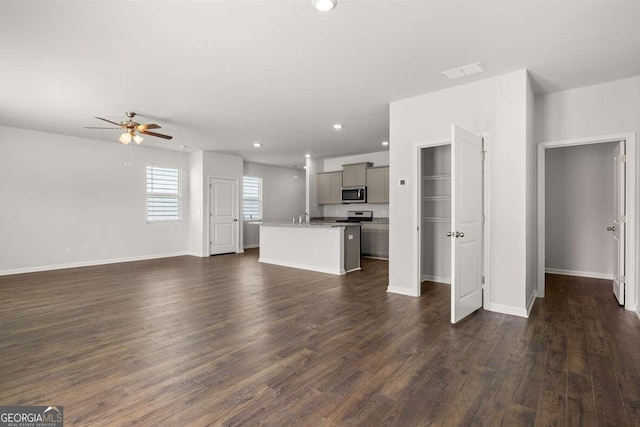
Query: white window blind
[
  {"x": 163, "y": 194},
  {"x": 251, "y": 198}
]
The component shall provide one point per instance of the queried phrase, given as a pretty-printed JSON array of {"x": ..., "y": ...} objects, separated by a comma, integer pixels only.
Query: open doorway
[
  {"x": 435, "y": 214},
  {"x": 451, "y": 219},
  {"x": 586, "y": 212}
]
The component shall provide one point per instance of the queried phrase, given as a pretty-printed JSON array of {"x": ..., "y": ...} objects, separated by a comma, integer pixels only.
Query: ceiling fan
[{"x": 132, "y": 129}]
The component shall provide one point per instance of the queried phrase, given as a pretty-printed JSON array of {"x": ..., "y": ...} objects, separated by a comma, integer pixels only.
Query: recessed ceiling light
[
  {"x": 385, "y": 143},
  {"x": 463, "y": 71},
  {"x": 337, "y": 126},
  {"x": 307, "y": 155},
  {"x": 324, "y": 5},
  {"x": 257, "y": 144}
]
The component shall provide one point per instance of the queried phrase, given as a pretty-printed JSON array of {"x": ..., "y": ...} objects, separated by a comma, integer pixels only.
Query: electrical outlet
[
  {"x": 69, "y": 249},
  {"x": 350, "y": 236},
  {"x": 87, "y": 248}
]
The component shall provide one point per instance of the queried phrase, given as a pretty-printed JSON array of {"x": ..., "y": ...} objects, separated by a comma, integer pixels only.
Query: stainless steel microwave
[{"x": 356, "y": 194}]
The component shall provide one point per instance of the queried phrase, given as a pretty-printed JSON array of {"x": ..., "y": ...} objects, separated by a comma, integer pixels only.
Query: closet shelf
[
  {"x": 435, "y": 219},
  {"x": 434, "y": 177},
  {"x": 436, "y": 198}
]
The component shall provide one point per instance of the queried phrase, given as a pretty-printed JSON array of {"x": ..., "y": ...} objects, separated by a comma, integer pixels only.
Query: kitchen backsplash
[
  {"x": 379, "y": 210},
  {"x": 376, "y": 220}
]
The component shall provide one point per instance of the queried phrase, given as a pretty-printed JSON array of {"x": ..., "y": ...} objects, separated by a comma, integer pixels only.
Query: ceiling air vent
[{"x": 464, "y": 71}]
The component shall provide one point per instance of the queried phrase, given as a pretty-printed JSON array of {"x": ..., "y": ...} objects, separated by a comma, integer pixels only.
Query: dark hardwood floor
[{"x": 228, "y": 341}]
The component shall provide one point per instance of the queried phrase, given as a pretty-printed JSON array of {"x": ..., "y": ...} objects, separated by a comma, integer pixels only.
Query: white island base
[{"x": 333, "y": 249}]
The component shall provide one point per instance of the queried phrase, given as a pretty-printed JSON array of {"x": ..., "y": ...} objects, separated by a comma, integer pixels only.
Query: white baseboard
[
  {"x": 335, "y": 271},
  {"x": 256, "y": 245},
  {"x": 375, "y": 257},
  {"x": 532, "y": 300},
  {"x": 437, "y": 279},
  {"x": 88, "y": 263},
  {"x": 402, "y": 291},
  {"x": 507, "y": 309},
  {"x": 587, "y": 274},
  {"x": 198, "y": 254}
]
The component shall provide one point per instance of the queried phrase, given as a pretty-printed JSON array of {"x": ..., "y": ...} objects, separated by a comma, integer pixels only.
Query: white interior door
[
  {"x": 223, "y": 224},
  {"x": 618, "y": 229},
  {"x": 467, "y": 223}
]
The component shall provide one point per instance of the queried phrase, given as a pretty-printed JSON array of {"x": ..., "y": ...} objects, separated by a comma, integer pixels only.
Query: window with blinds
[
  {"x": 163, "y": 194},
  {"x": 251, "y": 198}
]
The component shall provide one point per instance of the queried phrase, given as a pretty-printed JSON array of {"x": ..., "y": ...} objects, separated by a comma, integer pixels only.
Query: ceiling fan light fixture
[
  {"x": 125, "y": 138},
  {"x": 324, "y": 5},
  {"x": 132, "y": 128}
]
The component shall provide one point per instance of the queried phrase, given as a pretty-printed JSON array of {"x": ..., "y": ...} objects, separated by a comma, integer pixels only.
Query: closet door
[{"x": 466, "y": 222}]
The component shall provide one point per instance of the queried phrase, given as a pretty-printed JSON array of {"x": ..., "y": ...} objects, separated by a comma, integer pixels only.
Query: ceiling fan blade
[
  {"x": 95, "y": 127},
  {"x": 159, "y": 135},
  {"x": 140, "y": 128},
  {"x": 109, "y": 121}
]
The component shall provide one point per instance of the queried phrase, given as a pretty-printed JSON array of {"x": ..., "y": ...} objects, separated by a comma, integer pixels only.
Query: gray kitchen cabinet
[
  {"x": 329, "y": 188},
  {"x": 352, "y": 248},
  {"x": 355, "y": 175},
  {"x": 375, "y": 240},
  {"x": 378, "y": 185}
]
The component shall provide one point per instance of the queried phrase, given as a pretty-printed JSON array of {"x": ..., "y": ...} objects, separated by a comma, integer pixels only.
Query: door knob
[
  {"x": 235, "y": 219},
  {"x": 459, "y": 234},
  {"x": 611, "y": 229},
  {"x": 449, "y": 234}
]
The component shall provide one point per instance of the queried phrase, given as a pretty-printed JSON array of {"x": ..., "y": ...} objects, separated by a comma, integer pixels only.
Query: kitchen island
[{"x": 325, "y": 247}]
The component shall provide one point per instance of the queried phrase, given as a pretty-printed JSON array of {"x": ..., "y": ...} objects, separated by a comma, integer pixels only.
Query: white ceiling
[{"x": 219, "y": 75}]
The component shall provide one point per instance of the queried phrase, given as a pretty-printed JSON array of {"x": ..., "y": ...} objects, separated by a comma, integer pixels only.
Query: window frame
[
  {"x": 260, "y": 198},
  {"x": 177, "y": 196}
]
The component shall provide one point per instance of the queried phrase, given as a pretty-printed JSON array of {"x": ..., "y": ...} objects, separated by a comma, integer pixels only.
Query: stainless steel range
[{"x": 358, "y": 216}]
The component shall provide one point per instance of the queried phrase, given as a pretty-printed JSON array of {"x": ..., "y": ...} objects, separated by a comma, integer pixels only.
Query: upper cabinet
[
  {"x": 329, "y": 188},
  {"x": 355, "y": 175},
  {"x": 361, "y": 174},
  {"x": 378, "y": 185}
]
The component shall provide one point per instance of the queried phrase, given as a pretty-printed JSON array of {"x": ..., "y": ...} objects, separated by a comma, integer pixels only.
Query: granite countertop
[
  {"x": 376, "y": 220},
  {"x": 313, "y": 224}
]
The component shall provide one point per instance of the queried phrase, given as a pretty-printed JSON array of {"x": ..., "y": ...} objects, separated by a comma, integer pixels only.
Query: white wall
[
  {"x": 380, "y": 158},
  {"x": 313, "y": 167},
  {"x": 532, "y": 200},
  {"x": 202, "y": 166},
  {"x": 579, "y": 208},
  {"x": 496, "y": 107},
  {"x": 283, "y": 197},
  {"x": 603, "y": 109},
  {"x": 197, "y": 245},
  {"x": 60, "y": 191}
]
